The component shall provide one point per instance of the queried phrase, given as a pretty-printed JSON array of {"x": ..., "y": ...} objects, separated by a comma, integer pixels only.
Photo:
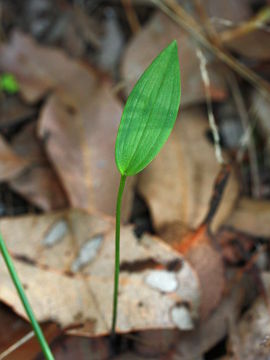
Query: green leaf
[
  {"x": 8, "y": 83},
  {"x": 149, "y": 114}
]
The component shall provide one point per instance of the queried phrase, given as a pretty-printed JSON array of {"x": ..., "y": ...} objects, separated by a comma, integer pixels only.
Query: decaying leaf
[
  {"x": 193, "y": 344},
  {"x": 251, "y": 216},
  {"x": 230, "y": 10},
  {"x": 178, "y": 184},
  {"x": 38, "y": 183},
  {"x": 13, "y": 111},
  {"x": 159, "y": 32},
  {"x": 11, "y": 164},
  {"x": 69, "y": 255},
  {"x": 78, "y": 123},
  {"x": 252, "y": 44},
  {"x": 253, "y": 330},
  {"x": 199, "y": 249},
  {"x": 80, "y": 144}
]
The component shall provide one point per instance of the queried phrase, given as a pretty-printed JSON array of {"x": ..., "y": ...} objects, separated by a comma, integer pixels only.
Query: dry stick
[
  {"x": 131, "y": 16},
  {"x": 17, "y": 344},
  {"x": 238, "y": 98},
  {"x": 179, "y": 15},
  {"x": 211, "y": 118},
  {"x": 247, "y": 137},
  {"x": 256, "y": 22}
]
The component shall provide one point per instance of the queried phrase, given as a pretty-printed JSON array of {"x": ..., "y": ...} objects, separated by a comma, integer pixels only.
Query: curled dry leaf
[
  {"x": 251, "y": 216},
  {"x": 69, "y": 255},
  {"x": 159, "y": 32},
  {"x": 11, "y": 164},
  {"x": 178, "y": 184},
  {"x": 38, "y": 182},
  {"x": 78, "y": 123},
  {"x": 198, "y": 248}
]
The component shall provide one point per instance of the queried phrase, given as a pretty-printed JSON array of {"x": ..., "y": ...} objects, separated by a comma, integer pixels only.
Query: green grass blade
[{"x": 14, "y": 276}]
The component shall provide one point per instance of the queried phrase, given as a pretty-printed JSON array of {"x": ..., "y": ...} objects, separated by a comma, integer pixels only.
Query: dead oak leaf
[
  {"x": 178, "y": 184},
  {"x": 66, "y": 267},
  {"x": 251, "y": 216}
]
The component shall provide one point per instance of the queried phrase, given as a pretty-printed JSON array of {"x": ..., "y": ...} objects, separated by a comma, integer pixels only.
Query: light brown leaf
[
  {"x": 251, "y": 216},
  {"x": 66, "y": 266},
  {"x": 178, "y": 184},
  {"x": 38, "y": 182},
  {"x": 158, "y": 33}
]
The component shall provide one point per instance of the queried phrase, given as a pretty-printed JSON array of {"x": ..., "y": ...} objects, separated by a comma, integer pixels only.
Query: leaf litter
[
  {"x": 202, "y": 278},
  {"x": 52, "y": 274}
]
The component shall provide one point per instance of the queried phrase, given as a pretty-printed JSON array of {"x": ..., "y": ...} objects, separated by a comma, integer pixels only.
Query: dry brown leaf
[
  {"x": 193, "y": 345},
  {"x": 159, "y": 32},
  {"x": 66, "y": 266},
  {"x": 198, "y": 248},
  {"x": 13, "y": 111},
  {"x": 81, "y": 146},
  {"x": 252, "y": 331},
  {"x": 41, "y": 69},
  {"x": 178, "y": 184},
  {"x": 253, "y": 44},
  {"x": 251, "y": 216},
  {"x": 235, "y": 11},
  {"x": 37, "y": 183},
  {"x": 11, "y": 164},
  {"x": 78, "y": 123}
]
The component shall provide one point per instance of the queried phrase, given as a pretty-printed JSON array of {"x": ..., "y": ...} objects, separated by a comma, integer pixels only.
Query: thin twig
[
  {"x": 239, "y": 102},
  {"x": 131, "y": 16},
  {"x": 256, "y": 22},
  {"x": 182, "y": 18},
  {"x": 17, "y": 344},
  {"x": 211, "y": 118}
]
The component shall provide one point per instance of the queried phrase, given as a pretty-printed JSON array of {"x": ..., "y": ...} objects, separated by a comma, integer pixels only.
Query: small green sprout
[
  {"x": 9, "y": 84},
  {"x": 147, "y": 121}
]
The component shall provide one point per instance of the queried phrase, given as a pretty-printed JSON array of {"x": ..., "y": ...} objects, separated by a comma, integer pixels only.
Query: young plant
[{"x": 147, "y": 121}]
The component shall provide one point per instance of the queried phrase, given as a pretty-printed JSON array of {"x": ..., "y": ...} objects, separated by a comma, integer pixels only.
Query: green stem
[
  {"x": 37, "y": 330},
  {"x": 117, "y": 251}
]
